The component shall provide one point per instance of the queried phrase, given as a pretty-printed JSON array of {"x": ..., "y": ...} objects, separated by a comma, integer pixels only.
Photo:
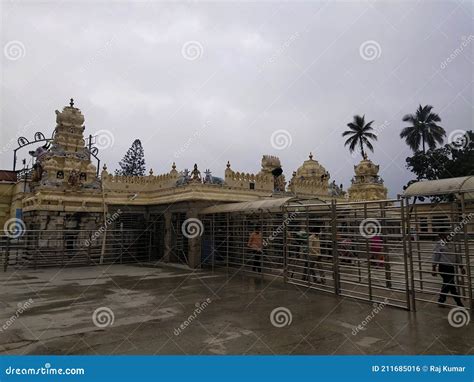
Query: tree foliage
[
  {"x": 133, "y": 163},
  {"x": 452, "y": 160},
  {"x": 423, "y": 129},
  {"x": 360, "y": 134}
]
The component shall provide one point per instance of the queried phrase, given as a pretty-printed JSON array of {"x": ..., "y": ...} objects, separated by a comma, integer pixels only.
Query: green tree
[
  {"x": 133, "y": 163},
  {"x": 423, "y": 129},
  {"x": 450, "y": 161},
  {"x": 360, "y": 134}
]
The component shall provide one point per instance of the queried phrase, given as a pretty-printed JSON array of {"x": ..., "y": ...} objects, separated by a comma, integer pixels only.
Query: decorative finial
[
  {"x": 173, "y": 166},
  {"x": 311, "y": 156},
  {"x": 228, "y": 164},
  {"x": 71, "y": 103},
  {"x": 151, "y": 171},
  {"x": 104, "y": 167}
]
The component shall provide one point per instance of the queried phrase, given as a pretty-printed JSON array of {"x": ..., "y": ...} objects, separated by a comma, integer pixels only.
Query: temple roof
[
  {"x": 366, "y": 167},
  {"x": 310, "y": 169}
]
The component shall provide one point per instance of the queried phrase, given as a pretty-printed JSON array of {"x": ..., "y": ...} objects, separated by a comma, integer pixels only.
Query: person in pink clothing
[{"x": 376, "y": 246}]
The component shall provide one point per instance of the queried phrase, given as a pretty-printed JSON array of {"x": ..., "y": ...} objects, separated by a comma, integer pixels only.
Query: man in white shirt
[{"x": 446, "y": 261}]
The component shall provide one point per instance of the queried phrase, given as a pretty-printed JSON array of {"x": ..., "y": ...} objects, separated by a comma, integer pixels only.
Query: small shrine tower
[{"x": 367, "y": 184}]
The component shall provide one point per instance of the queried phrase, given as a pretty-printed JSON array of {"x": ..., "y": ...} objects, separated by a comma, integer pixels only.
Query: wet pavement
[{"x": 127, "y": 309}]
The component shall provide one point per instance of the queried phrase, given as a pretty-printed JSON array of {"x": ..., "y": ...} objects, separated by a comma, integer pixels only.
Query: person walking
[
  {"x": 315, "y": 257},
  {"x": 446, "y": 261},
  {"x": 376, "y": 247},
  {"x": 303, "y": 248},
  {"x": 255, "y": 244}
]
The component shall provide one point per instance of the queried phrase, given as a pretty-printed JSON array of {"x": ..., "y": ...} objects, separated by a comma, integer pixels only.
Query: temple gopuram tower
[
  {"x": 367, "y": 184},
  {"x": 65, "y": 191}
]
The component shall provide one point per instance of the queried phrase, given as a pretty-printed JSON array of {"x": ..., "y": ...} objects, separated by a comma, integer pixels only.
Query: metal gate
[{"x": 372, "y": 251}]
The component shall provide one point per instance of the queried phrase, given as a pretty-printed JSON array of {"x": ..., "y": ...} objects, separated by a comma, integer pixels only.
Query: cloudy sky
[{"x": 212, "y": 81}]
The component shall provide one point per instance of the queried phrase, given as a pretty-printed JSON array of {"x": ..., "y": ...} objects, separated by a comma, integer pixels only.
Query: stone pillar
[
  {"x": 168, "y": 238},
  {"x": 194, "y": 244}
]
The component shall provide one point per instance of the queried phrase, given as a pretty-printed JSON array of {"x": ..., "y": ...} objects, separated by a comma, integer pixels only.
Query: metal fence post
[
  {"x": 335, "y": 252},
  {"x": 7, "y": 255},
  {"x": 213, "y": 238},
  {"x": 89, "y": 249},
  {"x": 262, "y": 257},
  {"x": 227, "y": 243},
  {"x": 405, "y": 254},
  {"x": 466, "y": 251},
  {"x": 386, "y": 250},
  {"x": 285, "y": 248},
  {"x": 121, "y": 242},
  {"x": 407, "y": 233},
  {"x": 369, "y": 264}
]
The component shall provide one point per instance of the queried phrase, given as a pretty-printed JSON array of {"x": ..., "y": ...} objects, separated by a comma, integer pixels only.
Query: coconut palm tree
[
  {"x": 424, "y": 129},
  {"x": 360, "y": 134}
]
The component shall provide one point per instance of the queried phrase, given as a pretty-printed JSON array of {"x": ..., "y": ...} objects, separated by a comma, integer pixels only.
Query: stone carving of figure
[
  {"x": 196, "y": 174},
  {"x": 209, "y": 179},
  {"x": 183, "y": 177},
  {"x": 73, "y": 178},
  {"x": 335, "y": 190}
]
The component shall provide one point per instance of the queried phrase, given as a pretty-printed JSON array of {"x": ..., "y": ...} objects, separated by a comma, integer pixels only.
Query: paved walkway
[{"x": 146, "y": 310}]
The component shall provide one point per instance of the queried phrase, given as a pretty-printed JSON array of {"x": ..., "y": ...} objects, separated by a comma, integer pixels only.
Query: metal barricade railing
[
  {"x": 47, "y": 248},
  {"x": 380, "y": 251},
  {"x": 373, "y": 251},
  {"x": 445, "y": 279}
]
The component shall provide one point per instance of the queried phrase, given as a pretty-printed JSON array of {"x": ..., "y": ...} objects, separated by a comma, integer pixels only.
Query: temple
[{"x": 64, "y": 191}]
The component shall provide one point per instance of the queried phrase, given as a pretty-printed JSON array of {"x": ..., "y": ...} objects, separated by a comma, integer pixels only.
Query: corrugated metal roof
[
  {"x": 463, "y": 184},
  {"x": 257, "y": 205}
]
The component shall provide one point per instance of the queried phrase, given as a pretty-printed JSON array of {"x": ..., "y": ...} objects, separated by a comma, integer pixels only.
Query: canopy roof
[
  {"x": 441, "y": 187},
  {"x": 257, "y": 205}
]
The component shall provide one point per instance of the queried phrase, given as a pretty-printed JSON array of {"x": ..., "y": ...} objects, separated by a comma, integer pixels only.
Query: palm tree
[
  {"x": 423, "y": 130},
  {"x": 359, "y": 134}
]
